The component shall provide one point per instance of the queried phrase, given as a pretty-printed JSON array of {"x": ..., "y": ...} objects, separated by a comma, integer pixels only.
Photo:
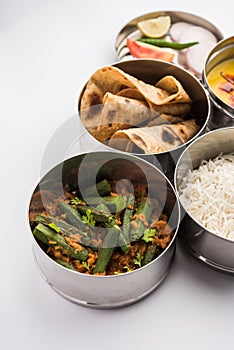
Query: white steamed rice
[{"x": 207, "y": 193}]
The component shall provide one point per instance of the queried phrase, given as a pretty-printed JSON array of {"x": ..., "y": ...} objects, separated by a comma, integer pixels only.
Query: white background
[{"x": 48, "y": 49}]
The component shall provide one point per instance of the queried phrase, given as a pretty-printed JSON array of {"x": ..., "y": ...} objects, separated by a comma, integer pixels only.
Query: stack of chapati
[{"x": 131, "y": 115}]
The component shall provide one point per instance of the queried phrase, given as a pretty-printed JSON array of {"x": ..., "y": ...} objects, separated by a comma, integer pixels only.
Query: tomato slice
[{"x": 139, "y": 50}]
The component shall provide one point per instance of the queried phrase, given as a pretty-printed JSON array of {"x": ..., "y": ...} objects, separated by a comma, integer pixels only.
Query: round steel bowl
[
  {"x": 109, "y": 291},
  {"x": 131, "y": 30},
  {"x": 150, "y": 71},
  {"x": 222, "y": 114},
  {"x": 213, "y": 250}
]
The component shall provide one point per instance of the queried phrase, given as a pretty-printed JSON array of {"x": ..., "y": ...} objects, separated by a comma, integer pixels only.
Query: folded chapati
[
  {"x": 154, "y": 139},
  {"x": 174, "y": 89},
  {"x": 133, "y": 114},
  {"x": 164, "y": 119},
  {"x": 120, "y": 113},
  {"x": 181, "y": 109},
  {"x": 112, "y": 79},
  {"x": 131, "y": 93}
]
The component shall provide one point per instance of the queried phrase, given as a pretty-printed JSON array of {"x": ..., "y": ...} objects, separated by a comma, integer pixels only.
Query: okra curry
[{"x": 116, "y": 232}]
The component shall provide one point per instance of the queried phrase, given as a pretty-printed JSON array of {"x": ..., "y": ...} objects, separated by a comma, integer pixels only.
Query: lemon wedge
[{"x": 155, "y": 27}]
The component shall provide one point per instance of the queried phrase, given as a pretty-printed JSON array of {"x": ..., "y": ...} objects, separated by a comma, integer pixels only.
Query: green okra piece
[
  {"x": 103, "y": 188},
  {"x": 72, "y": 215},
  {"x": 102, "y": 207},
  {"x": 115, "y": 203},
  {"x": 128, "y": 213},
  {"x": 150, "y": 254},
  {"x": 61, "y": 225},
  {"x": 99, "y": 216},
  {"x": 42, "y": 219},
  {"x": 110, "y": 241},
  {"x": 119, "y": 202},
  {"x": 122, "y": 241},
  {"x": 65, "y": 264},
  {"x": 169, "y": 44},
  {"x": 53, "y": 239},
  {"x": 144, "y": 207}
]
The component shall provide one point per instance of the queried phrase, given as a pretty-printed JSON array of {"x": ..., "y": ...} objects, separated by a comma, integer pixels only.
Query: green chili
[{"x": 164, "y": 43}]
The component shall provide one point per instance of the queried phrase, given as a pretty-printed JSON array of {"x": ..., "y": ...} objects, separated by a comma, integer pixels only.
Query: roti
[
  {"x": 164, "y": 119},
  {"x": 174, "y": 88},
  {"x": 129, "y": 112},
  {"x": 120, "y": 113},
  {"x": 113, "y": 80},
  {"x": 155, "y": 139}
]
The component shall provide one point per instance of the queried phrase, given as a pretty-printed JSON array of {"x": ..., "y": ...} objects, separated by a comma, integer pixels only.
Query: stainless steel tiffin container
[{"x": 109, "y": 291}]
